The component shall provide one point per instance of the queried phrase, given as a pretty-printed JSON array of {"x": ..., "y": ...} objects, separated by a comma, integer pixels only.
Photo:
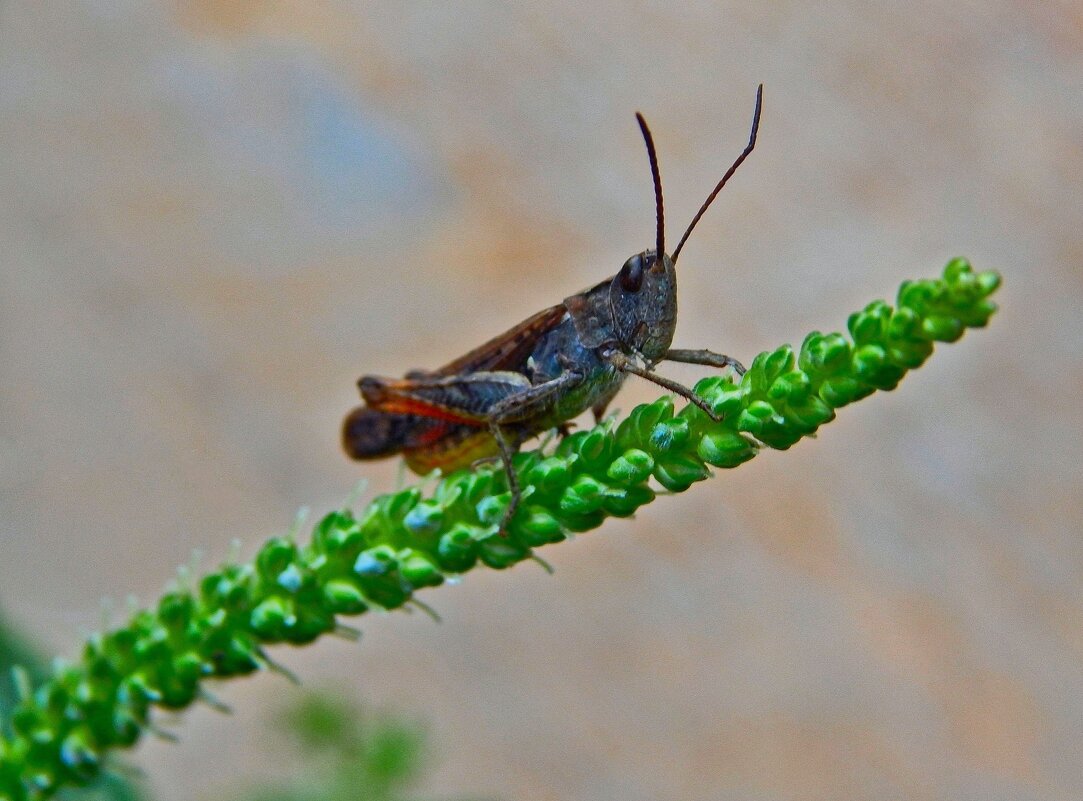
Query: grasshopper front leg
[
  {"x": 626, "y": 365},
  {"x": 520, "y": 408},
  {"x": 705, "y": 357}
]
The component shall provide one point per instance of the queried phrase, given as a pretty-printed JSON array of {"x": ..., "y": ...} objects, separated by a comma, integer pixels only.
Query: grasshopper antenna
[
  {"x": 659, "y": 214},
  {"x": 726, "y": 177}
]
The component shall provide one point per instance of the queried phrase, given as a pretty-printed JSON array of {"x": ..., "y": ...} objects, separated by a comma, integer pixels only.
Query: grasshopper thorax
[{"x": 643, "y": 304}]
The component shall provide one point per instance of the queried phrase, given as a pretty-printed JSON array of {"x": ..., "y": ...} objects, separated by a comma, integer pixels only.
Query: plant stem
[{"x": 405, "y": 541}]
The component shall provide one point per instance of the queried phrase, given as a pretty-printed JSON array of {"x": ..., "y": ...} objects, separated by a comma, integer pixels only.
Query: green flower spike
[{"x": 60, "y": 733}]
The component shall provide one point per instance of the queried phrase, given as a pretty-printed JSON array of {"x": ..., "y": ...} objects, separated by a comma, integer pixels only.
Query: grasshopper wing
[
  {"x": 464, "y": 399},
  {"x": 510, "y": 350}
]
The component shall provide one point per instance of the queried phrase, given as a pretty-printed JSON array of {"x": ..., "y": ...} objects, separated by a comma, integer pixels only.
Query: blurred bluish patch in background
[{"x": 334, "y": 173}]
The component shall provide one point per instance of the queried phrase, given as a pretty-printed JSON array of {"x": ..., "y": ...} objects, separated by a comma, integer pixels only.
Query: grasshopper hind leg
[
  {"x": 508, "y": 449},
  {"x": 510, "y": 423}
]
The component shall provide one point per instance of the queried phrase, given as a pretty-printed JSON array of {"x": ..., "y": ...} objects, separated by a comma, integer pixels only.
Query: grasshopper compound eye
[{"x": 631, "y": 274}]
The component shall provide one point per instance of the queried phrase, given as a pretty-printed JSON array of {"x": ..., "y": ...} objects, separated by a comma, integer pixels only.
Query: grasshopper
[{"x": 545, "y": 371}]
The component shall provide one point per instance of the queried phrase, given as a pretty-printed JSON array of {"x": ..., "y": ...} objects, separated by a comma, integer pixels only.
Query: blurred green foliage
[
  {"x": 346, "y": 753},
  {"x": 349, "y": 753}
]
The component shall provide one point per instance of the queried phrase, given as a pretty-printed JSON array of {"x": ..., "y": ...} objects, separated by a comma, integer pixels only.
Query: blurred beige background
[{"x": 214, "y": 216}]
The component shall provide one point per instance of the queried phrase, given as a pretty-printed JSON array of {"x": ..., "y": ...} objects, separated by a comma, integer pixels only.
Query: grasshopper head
[{"x": 643, "y": 301}]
